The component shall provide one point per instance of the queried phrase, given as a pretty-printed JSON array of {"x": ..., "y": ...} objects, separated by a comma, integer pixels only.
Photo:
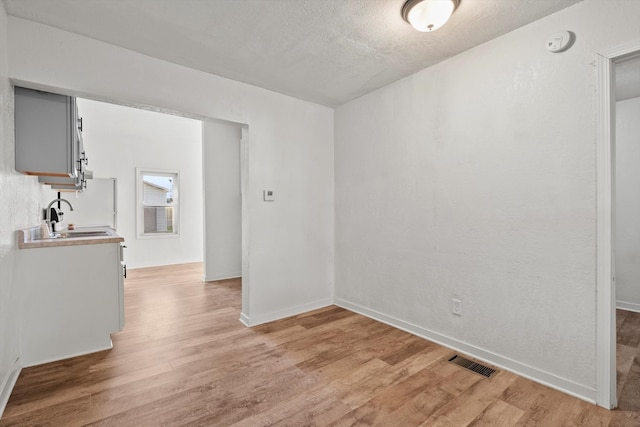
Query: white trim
[
  {"x": 246, "y": 243},
  {"x": 7, "y": 385},
  {"x": 244, "y": 319},
  {"x": 71, "y": 355},
  {"x": 281, "y": 314},
  {"x": 157, "y": 236},
  {"x": 140, "y": 234},
  {"x": 204, "y": 201},
  {"x": 131, "y": 267},
  {"x": 605, "y": 195},
  {"x": 548, "y": 379},
  {"x": 605, "y": 285},
  {"x": 628, "y": 306},
  {"x": 226, "y": 276},
  {"x": 621, "y": 51}
]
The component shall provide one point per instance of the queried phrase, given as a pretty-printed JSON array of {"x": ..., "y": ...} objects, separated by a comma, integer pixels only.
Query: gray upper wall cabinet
[
  {"x": 48, "y": 134},
  {"x": 77, "y": 183}
]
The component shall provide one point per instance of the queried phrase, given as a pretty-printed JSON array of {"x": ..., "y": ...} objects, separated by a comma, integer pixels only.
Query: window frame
[{"x": 175, "y": 174}]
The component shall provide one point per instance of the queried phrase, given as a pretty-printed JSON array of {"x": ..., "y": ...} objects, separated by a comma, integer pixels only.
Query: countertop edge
[{"x": 25, "y": 241}]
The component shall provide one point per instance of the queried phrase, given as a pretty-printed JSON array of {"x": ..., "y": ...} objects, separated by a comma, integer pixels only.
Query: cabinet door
[
  {"x": 70, "y": 304},
  {"x": 45, "y": 128},
  {"x": 77, "y": 183},
  {"x": 122, "y": 270}
]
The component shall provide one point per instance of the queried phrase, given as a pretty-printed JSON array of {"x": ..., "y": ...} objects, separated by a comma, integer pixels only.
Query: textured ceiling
[{"x": 325, "y": 51}]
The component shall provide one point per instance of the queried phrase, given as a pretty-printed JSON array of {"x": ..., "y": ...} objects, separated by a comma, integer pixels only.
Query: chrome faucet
[{"x": 48, "y": 217}]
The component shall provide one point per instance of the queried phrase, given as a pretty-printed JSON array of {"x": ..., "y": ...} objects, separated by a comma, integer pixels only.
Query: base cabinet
[{"x": 72, "y": 300}]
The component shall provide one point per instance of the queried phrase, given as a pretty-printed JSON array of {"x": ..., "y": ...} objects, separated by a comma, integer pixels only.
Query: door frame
[{"x": 606, "y": 387}]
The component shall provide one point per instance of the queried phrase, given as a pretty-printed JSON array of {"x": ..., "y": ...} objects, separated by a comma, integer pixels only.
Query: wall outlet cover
[
  {"x": 269, "y": 195},
  {"x": 456, "y": 306}
]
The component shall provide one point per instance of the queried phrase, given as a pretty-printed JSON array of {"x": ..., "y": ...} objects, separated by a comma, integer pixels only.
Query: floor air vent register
[{"x": 472, "y": 366}]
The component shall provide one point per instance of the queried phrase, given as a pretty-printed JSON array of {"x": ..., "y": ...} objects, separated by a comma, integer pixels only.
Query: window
[{"x": 158, "y": 205}]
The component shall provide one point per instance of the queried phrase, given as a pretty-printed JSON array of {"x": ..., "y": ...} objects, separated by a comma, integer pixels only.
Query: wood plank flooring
[
  {"x": 628, "y": 360},
  {"x": 183, "y": 358}
]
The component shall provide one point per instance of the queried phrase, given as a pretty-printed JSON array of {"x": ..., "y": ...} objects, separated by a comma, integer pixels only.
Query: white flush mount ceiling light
[{"x": 428, "y": 15}]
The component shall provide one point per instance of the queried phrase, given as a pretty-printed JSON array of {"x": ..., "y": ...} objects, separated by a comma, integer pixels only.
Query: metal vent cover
[{"x": 472, "y": 366}]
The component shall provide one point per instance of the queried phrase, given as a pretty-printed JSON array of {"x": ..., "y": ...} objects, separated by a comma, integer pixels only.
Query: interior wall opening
[
  {"x": 204, "y": 152},
  {"x": 626, "y": 225}
]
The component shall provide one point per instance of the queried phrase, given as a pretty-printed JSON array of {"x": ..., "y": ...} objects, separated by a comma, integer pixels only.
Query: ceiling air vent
[{"x": 472, "y": 366}]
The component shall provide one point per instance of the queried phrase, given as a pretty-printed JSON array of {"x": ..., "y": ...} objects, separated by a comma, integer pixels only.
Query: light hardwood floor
[
  {"x": 628, "y": 360},
  {"x": 185, "y": 359}
]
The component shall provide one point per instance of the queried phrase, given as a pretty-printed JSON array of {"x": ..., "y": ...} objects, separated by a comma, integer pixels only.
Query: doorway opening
[
  {"x": 163, "y": 191},
  {"x": 606, "y": 380},
  {"x": 626, "y": 162},
  {"x": 222, "y": 201}
]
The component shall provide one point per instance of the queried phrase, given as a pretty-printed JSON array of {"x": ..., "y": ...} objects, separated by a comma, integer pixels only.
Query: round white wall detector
[{"x": 560, "y": 42}]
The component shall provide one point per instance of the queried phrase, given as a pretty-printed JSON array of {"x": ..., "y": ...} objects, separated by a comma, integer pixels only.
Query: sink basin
[
  {"x": 87, "y": 233},
  {"x": 33, "y": 237},
  {"x": 68, "y": 234}
]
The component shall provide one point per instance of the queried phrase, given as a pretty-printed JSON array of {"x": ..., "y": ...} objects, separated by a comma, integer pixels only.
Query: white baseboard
[
  {"x": 99, "y": 347},
  {"x": 281, "y": 314},
  {"x": 561, "y": 384},
  {"x": 244, "y": 319},
  {"x": 217, "y": 277},
  {"x": 133, "y": 266},
  {"x": 7, "y": 385},
  {"x": 628, "y": 306}
]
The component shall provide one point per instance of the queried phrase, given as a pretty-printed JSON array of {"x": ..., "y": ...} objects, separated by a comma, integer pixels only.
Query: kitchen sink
[
  {"x": 86, "y": 233},
  {"x": 68, "y": 234}
]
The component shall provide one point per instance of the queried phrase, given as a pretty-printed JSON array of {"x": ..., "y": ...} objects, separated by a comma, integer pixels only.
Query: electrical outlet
[
  {"x": 456, "y": 306},
  {"x": 269, "y": 195}
]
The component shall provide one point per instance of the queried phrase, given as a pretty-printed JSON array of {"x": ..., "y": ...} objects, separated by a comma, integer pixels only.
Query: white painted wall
[
  {"x": 223, "y": 204},
  {"x": 627, "y": 255},
  {"x": 93, "y": 206},
  {"x": 289, "y": 266},
  {"x": 118, "y": 140},
  {"x": 476, "y": 179},
  {"x": 20, "y": 202}
]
